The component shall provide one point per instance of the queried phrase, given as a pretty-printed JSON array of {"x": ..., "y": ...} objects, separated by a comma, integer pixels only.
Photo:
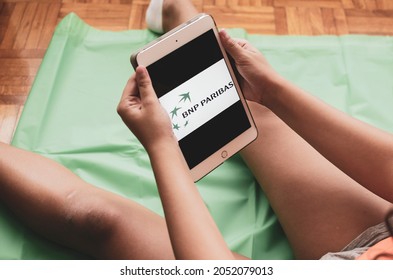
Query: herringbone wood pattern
[{"x": 26, "y": 28}]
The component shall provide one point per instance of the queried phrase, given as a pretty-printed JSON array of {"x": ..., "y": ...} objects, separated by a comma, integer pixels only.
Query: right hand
[{"x": 257, "y": 74}]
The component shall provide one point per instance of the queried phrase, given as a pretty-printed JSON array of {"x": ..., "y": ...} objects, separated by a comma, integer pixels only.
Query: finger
[
  {"x": 130, "y": 88},
  {"x": 130, "y": 91},
  {"x": 230, "y": 45},
  {"x": 244, "y": 44},
  {"x": 145, "y": 86}
]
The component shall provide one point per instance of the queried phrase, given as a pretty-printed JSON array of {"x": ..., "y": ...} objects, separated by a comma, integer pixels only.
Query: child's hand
[
  {"x": 141, "y": 111},
  {"x": 258, "y": 76}
]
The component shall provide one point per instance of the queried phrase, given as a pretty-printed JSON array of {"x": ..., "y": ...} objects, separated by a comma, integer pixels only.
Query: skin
[{"x": 320, "y": 185}]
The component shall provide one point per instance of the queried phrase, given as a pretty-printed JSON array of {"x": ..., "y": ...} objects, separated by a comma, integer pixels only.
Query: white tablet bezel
[{"x": 175, "y": 39}]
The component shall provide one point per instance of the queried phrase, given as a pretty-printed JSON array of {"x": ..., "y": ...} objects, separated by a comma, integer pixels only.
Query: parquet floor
[{"x": 26, "y": 28}]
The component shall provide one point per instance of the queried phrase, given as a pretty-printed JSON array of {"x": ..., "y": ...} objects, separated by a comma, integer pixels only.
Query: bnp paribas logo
[{"x": 179, "y": 121}]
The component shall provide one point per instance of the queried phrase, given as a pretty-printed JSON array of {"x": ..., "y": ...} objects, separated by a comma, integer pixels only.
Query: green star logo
[
  {"x": 174, "y": 112},
  {"x": 184, "y": 97},
  {"x": 176, "y": 126},
  {"x": 179, "y": 123}
]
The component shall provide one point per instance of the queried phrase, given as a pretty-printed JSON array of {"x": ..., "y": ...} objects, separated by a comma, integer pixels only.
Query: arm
[
  {"x": 360, "y": 150},
  {"x": 192, "y": 230}
]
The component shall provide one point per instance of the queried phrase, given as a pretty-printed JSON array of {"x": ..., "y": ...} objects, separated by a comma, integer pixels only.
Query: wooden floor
[{"x": 26, "y": 28}]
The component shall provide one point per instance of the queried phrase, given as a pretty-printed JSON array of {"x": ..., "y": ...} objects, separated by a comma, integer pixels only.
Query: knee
[{"x": 92, "y": 219}]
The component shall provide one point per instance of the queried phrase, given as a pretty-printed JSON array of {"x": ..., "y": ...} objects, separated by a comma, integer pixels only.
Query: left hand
[{"x": 141, "y": 111}]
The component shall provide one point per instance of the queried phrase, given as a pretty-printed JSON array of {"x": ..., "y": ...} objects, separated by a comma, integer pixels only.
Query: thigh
[
  {"x": 59, "y": 205},
  {"x": 62, "y": 207},
  {"x": 320, "y": 208}
]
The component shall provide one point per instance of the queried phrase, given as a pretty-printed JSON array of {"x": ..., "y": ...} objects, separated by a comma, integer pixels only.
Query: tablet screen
[{"x": 194, "y": 86}]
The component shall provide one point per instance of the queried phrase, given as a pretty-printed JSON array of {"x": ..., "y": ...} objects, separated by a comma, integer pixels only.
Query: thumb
[
  {"x": 230, "y": 45},
  {"x": 145, "y": 86}
]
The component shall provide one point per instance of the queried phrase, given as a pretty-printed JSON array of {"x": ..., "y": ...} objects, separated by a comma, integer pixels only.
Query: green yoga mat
[{"x": 70, "y": 116}]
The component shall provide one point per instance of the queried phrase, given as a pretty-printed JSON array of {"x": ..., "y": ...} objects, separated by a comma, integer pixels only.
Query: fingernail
[
  {"x": 224, "y": 34},
  {"x": 142, "y": 71}
]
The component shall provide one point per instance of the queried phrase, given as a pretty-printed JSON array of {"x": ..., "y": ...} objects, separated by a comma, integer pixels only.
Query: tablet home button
[{"x": 224, "y": 154}]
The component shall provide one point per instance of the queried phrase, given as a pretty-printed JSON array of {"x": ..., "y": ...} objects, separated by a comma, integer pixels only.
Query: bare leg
[
  {"x": 59, "y": 205},
  {"x": 176, "y": 12},
  {"x": 320, "y": 208}
]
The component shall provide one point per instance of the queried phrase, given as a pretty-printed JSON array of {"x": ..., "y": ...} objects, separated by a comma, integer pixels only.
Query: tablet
[{"x": 195, "y": 83}]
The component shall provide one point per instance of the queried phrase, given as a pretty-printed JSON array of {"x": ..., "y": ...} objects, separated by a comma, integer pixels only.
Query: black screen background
[{"x": 180, "y": 66}]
